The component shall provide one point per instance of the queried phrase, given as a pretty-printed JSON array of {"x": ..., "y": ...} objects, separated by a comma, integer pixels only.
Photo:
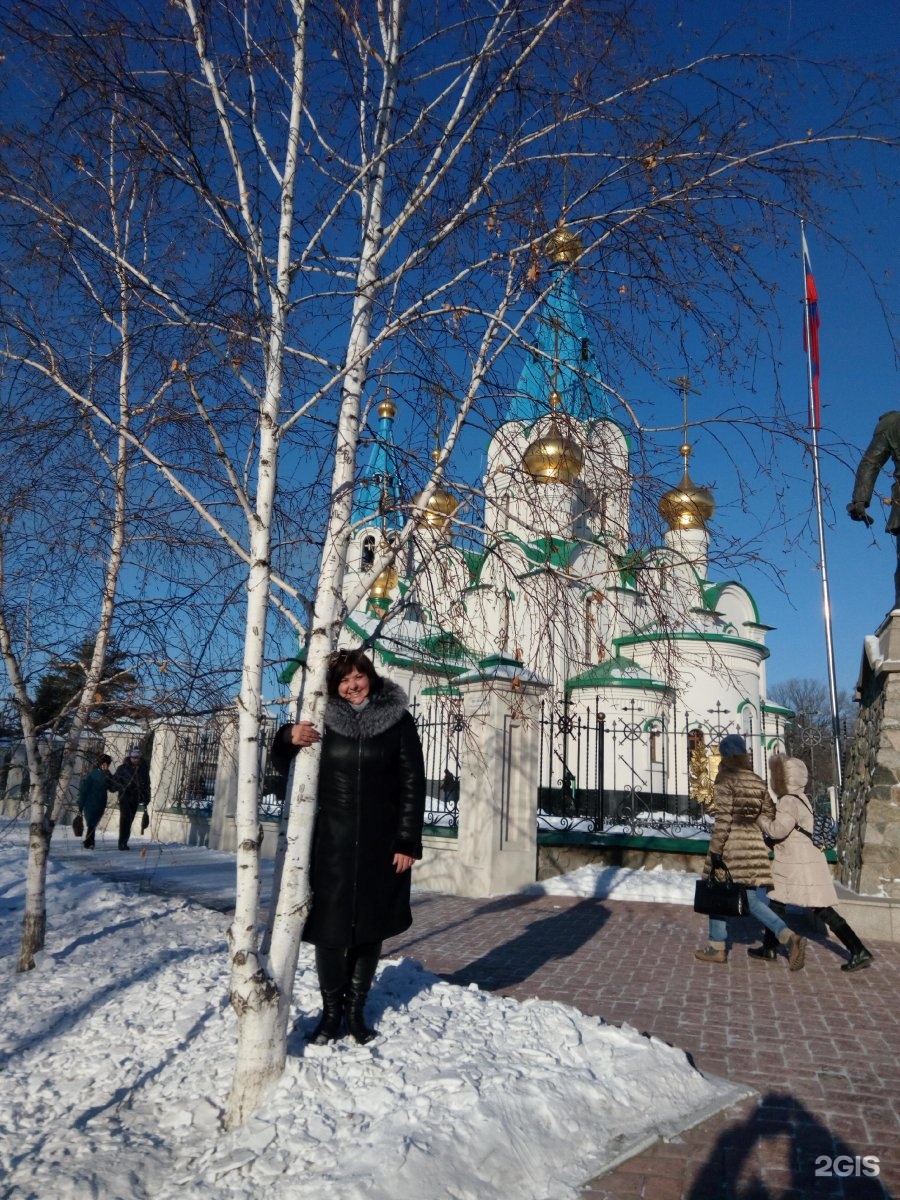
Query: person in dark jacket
[
  {"x": 368, "y": 833},
  {"x": 92, "y": 797},
  {"x": 133, "y": 785}
]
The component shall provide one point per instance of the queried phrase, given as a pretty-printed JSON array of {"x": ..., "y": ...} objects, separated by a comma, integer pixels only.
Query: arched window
[
  {"x": 368, "y": 551},
  {"x": 696, "y": 739}
]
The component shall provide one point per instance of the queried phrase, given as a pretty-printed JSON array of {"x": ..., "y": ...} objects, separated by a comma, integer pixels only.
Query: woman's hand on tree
[{"x": 304, "y": 733}]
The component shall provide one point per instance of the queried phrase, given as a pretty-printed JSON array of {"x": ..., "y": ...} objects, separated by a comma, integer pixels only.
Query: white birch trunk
[
  {"x": 262, "y": 1048},
  {"x": 254, "y": 997},
  {"x": 42, "y": 822},
  {"x": 34, "y": 924}
]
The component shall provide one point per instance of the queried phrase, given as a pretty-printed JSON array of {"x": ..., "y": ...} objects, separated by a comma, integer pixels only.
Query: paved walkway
[{"x": 822, "y": 1048}]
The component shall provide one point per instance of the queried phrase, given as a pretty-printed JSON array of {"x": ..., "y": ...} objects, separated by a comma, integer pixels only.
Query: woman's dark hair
[
  {"x": 342, "y": 662},
  {"x": 104, "y": 758}
]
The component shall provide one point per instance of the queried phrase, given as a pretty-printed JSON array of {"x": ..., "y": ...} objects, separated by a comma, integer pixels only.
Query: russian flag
[{"x": 811, "y": 334}]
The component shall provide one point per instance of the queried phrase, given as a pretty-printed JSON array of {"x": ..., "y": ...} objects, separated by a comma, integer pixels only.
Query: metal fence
[
  {"x": 441, "y": 727},
  {"x": 627, "y": 773}
]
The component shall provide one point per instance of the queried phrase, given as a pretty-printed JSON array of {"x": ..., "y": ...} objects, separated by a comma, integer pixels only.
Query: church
[{"x": 642, "y": 661}]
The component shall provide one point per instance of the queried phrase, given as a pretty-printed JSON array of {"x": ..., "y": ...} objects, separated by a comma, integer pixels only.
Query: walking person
[
  {"x": 800, "y": 872},
  {"x": 736, "y": 843},
  {"x": 92, "y": 797},
  {"x": 368, "y": 833},
  {"x": 133, "y": 785}
]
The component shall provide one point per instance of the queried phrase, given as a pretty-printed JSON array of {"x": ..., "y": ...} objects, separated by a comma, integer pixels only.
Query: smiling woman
[{"x": 368, "y": 833}]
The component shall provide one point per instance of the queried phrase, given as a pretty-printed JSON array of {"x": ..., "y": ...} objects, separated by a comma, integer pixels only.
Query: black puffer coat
[{"x": 371, "y": 803}]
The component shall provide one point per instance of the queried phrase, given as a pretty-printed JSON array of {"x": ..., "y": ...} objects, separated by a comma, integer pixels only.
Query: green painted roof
[
  {"x": 691, "y": 636},
  {"x": 617, "y": 672}
]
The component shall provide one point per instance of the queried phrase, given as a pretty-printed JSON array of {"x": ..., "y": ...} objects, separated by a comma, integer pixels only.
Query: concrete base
[{"x": 872, "y": 917}]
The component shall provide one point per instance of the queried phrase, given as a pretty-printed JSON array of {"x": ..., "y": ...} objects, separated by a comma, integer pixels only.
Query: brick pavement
[{"x": 821, "y": 1047}]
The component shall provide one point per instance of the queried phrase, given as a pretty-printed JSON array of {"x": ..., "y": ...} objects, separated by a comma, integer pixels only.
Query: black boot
[
  {"x": 769, "y": 948},
  {"x": 331, "y": 967},
  {"x": 365, "y": 961},
  {"x": 329, "y": 1026},
  {"x": 859, "y": 956}
]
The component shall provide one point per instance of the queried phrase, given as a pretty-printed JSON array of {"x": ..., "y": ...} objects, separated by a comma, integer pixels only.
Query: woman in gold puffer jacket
[{"x": 736, "y": 844}]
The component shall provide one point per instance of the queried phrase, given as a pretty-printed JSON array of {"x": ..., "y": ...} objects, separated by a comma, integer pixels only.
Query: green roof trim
[
  {"x": 394, "y": 659},
  {"x": 619, "y": 673},
  {"x": 500, "y": 660},
  {"x": 777, "y": 709},
  {"x": 687, "y": 636},
  {"x": 293, "y": 666},
  {"x": 444, "y": 645},
  {"x": 446, "y": 689},
  {"x": 545, "y": 551},
  {"x": 711, "y": 596}
]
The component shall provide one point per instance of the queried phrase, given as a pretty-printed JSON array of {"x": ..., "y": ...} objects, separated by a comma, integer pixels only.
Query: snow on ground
[
  {"x": 116, "y": 1055},
  {"x": 618, "y": 883}
]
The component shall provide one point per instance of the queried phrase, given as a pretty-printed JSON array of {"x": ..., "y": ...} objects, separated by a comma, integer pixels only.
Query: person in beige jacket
[
  {"x": 800, "y": 872},
  {"x": 736, "y": 844}
]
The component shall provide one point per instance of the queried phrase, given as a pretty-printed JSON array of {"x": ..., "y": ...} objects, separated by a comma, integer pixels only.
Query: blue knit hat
[{"x": 732, "y": 745}]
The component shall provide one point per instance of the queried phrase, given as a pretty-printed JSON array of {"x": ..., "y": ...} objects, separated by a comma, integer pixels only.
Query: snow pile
[
  {"x": 116, "y": 1056},
  {"x": 619, "y": 883}
]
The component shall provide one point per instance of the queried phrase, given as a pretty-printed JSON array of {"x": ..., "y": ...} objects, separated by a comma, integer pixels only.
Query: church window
[
  {"x": 368, "y": 551},
  {"x": 585, "y": 349}
]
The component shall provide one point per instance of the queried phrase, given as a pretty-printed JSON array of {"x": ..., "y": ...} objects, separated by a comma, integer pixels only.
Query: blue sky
[{"x": 858, "y": 382}]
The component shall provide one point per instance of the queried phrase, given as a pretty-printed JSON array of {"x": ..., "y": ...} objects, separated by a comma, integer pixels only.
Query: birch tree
[{"x": 355, "y": 197}]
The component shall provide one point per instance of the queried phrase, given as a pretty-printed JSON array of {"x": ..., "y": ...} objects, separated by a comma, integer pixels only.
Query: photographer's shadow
[{"x": 821, "y": 1165}]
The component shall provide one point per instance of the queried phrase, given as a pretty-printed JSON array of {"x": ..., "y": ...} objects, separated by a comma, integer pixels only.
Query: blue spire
[
  {"x": 378, "y": 491},
  {"x": 561, "y": 338}
]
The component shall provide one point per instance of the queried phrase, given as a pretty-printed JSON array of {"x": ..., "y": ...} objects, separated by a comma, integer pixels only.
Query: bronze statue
[{"x": 885, "y": 444}]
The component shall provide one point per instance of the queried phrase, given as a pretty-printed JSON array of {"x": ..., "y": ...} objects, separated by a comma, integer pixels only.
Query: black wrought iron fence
[
  {"x": 195, "y": 762},
  {"x": 629, "y": 771},
  {"x": 815, "y": 745},
  {"x": 441, "y": 727},
  {"x": 272, "y": 785}
]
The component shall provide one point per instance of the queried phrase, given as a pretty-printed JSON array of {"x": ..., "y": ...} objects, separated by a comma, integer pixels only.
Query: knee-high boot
[
  {"x": 362, "y": 972},
  {"x": 859, "y": 955},
  {"x": 332, "y": 966}
]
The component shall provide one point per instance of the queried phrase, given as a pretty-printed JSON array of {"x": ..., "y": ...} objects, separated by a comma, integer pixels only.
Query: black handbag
[
  {"x": 720, "y": 896},
  {"x": 78, "y": 825}
]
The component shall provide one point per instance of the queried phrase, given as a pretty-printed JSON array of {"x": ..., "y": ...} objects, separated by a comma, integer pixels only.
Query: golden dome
[
  {"x": 687, "y": 506},
  {"x": 383, "y": 586},
  {"x": 439, "y": 509},
  {"x": 553, "y": 458},
  {"x": 387, "y": 408},
  {"x": 563, "y": 245}
]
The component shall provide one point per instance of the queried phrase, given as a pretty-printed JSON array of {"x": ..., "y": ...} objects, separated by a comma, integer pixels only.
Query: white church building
[{"x": 570, "y": 686}]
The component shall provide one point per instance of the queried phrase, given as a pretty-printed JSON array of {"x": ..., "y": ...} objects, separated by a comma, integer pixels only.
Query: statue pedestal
[{"x": 869, "y": 842}]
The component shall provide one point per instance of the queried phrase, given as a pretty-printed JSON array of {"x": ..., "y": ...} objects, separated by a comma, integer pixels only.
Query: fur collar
[{"x": 383, "y": 710}]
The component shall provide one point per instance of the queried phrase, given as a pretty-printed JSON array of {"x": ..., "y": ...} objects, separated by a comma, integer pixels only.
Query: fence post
[
  {"x": 222, "y": 834},
  {"x": 499, "y": 771}
]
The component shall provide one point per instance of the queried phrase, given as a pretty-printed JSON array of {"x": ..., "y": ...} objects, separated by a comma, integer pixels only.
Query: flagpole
[{"x": 817, "y": 490}]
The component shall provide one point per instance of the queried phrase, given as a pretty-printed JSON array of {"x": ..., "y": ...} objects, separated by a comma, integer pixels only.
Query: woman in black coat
[{"x": 368, "y": 832}]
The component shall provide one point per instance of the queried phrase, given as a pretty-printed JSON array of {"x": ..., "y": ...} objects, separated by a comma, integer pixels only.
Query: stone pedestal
[{"x": 869, "y": 843}]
